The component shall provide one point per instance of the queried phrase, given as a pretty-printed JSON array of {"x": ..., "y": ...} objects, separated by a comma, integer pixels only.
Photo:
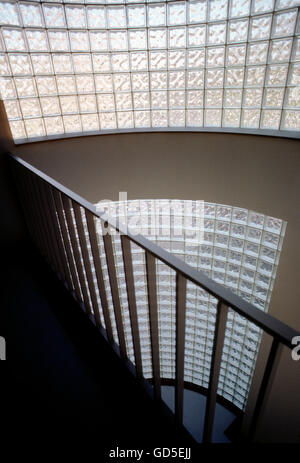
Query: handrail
[{"x": 265, "y": 321}]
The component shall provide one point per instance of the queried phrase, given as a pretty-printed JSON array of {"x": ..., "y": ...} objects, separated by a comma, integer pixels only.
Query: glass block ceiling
[
  {"x": 238, "y": 248},
  {"x": 78, "y": 66}
]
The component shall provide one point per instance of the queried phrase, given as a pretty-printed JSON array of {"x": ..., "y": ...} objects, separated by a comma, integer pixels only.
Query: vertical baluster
[
  {"x": 127, "y": 259},
  {"x": 266, "y": 384},
  {"x": 153, "y": 316},
  {"x": 86, "y": 261},
  {"x": 99, "y": 274},
  {"x": 180, "y": 341},
  {"x": 114, "y": 290},
  {"x": 221, "y": 319},
  {"x": 65, "y": 235},
  {"x": 76, "y": 252}
]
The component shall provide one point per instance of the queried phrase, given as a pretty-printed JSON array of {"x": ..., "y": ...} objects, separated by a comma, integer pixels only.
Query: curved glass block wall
[
  {"x": 236, "y": 247},
  {"x": 69, "y": 67}
]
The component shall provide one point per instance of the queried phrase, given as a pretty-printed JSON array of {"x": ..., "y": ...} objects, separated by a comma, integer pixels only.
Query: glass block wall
[
  {"x": 79, "y": 66},
  {"x": 236, "y": 247}
]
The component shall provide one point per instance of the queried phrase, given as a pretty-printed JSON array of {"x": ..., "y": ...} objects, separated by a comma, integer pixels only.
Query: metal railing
[{"x": 55, "y": 220}]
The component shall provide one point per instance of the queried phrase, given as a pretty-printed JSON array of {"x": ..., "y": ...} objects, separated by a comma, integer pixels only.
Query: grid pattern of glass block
[
  {"x": 238, "y": 248},
  {"x": 79, "y": 66}
]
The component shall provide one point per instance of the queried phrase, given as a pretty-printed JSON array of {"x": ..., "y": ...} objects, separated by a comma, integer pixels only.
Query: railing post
[
  {"x": 153, "y": 317},
  {"x": 127, "y": 259},
  {"x": 99, "y": 274},
  {"x": 266, "y": 385},
  {"x": 220, "y": 327},
  {"x": 180, "y": 341}
]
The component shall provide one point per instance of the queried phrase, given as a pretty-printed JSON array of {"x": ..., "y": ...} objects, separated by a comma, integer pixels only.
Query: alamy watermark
[
  {"x": 2, "y": 348},
  {"x": 296, "y": 350}
]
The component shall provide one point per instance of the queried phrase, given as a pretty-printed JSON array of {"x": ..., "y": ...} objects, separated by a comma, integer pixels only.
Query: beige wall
[{"x": 255, "y": 172}]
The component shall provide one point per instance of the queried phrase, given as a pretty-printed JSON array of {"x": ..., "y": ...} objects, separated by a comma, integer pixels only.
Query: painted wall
[{"x": 255, "y": 172}]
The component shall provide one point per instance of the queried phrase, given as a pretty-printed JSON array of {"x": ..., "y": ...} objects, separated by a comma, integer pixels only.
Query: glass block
[
  {"x": 215, "y": 57},
  {"x": 96, "y": 17},
  {"x": 291, "y": 120},
  {"x": 157, "y": 38},
  {"x": 141, "y": 100},
  {"x": 104, "y": 83},
  {"x": 194, "y": 118},
  {"x": 66, "y": 84},
  {"x": 116, "y": 17},
  {"x": 158, "y": 80},
  {"x": 138, "y": 61},
  {"x": 233, "y": 98},
  {"x": 196, "y": 58},
  {"x": 293, "y": 97},
  {"x": 125, "y": 120},
  {"x": 62, "y": 64},
  {"x": 68, "y": 104},
  {"x": 296, "y": 51},
  {"x": 197, "y": 11},
  {"x": 12, "y": 109},
  {"x": 82, "y": 63},
  {"x": 250, "y": 118},
  {"x": 58, "y": 40},
  {"x": 9, "y": 13},
  {"x": 177, "y": 13},
  {"x": 213, "y": 98},
  {"x": 85, "y": 84},
  {"x": 270, "y": 119},
  {"x": 31, "y": 15},
  {"x": 176, "y": 118},
  {"x": 260, "y": 27},
  {"x": 53, "y": 125},
  {"x": 212, "y": 117},
  {"x": 176, "y": 80},
  {"x": 159, "y": 100},
  {"x": 121, "y": 82},
  {"x": 284, "y": 23},
  {"x": 89, "y": 122},
  {"x": 195, "y": 98},
  {"x": 231, "y": 117},
  {"x": 294, "y": 77},
  {"x": 138, "y": 39},
  {"x": 236, "y": 55},
  {"x": 50, "y": 106},
  {"x": 79, "y": 41},
  {"x": 214, "y": 78},
  {"x": 30, "y": 107},
  {"x": 274, "y": 97},
  {"x": 75, "y": 17},
  {"x": 196, "y": 36},
  {"x": 37, "y": 40},
  {"x": 98, "y": 40},
  {"x": 158, "y": 60},
  {"x": 238, "y": 30},
  {"x": 136, "y": 16},
  {"x": 217, "y": 10},
  {"x": 25, "y": 86},
  {"x": 287, "y": 3},
  {"x": 262, "y": 6},
  {"x": 101, "y": 62},
  {"x": 177, "y": 37},
  {"x": 159, "y": 119},
  {"x": 118, "y": 40},
  {"x": 156, "y": 15},
  {"x": 277, "y": 74},
  {"x": 54, "y": 15},
  {"x": 34, "y": 127},
  {"x": 14, "y": 40},
  {"x": 123, "y": 101},
  {"x": 140, "y": 81},
  {"x": 46, "y": 85},
  {"x": 255, "y": 76},
  {"x": 20, "y": 64},
  {"x": 216, "y": 33},
  {"x": 41, "y": 64},
  {"x": 17, "y": 129},
  {"x": 72, "y": 124},
  {"x": 234, "y": 77},
  {"x": 257, "y": 53},
  {"x": 106, "y": 102},
  {"x": 177, "y": 59},
  {"x": 239, "y": 8},
  {"x": 253, "y": 97}
]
